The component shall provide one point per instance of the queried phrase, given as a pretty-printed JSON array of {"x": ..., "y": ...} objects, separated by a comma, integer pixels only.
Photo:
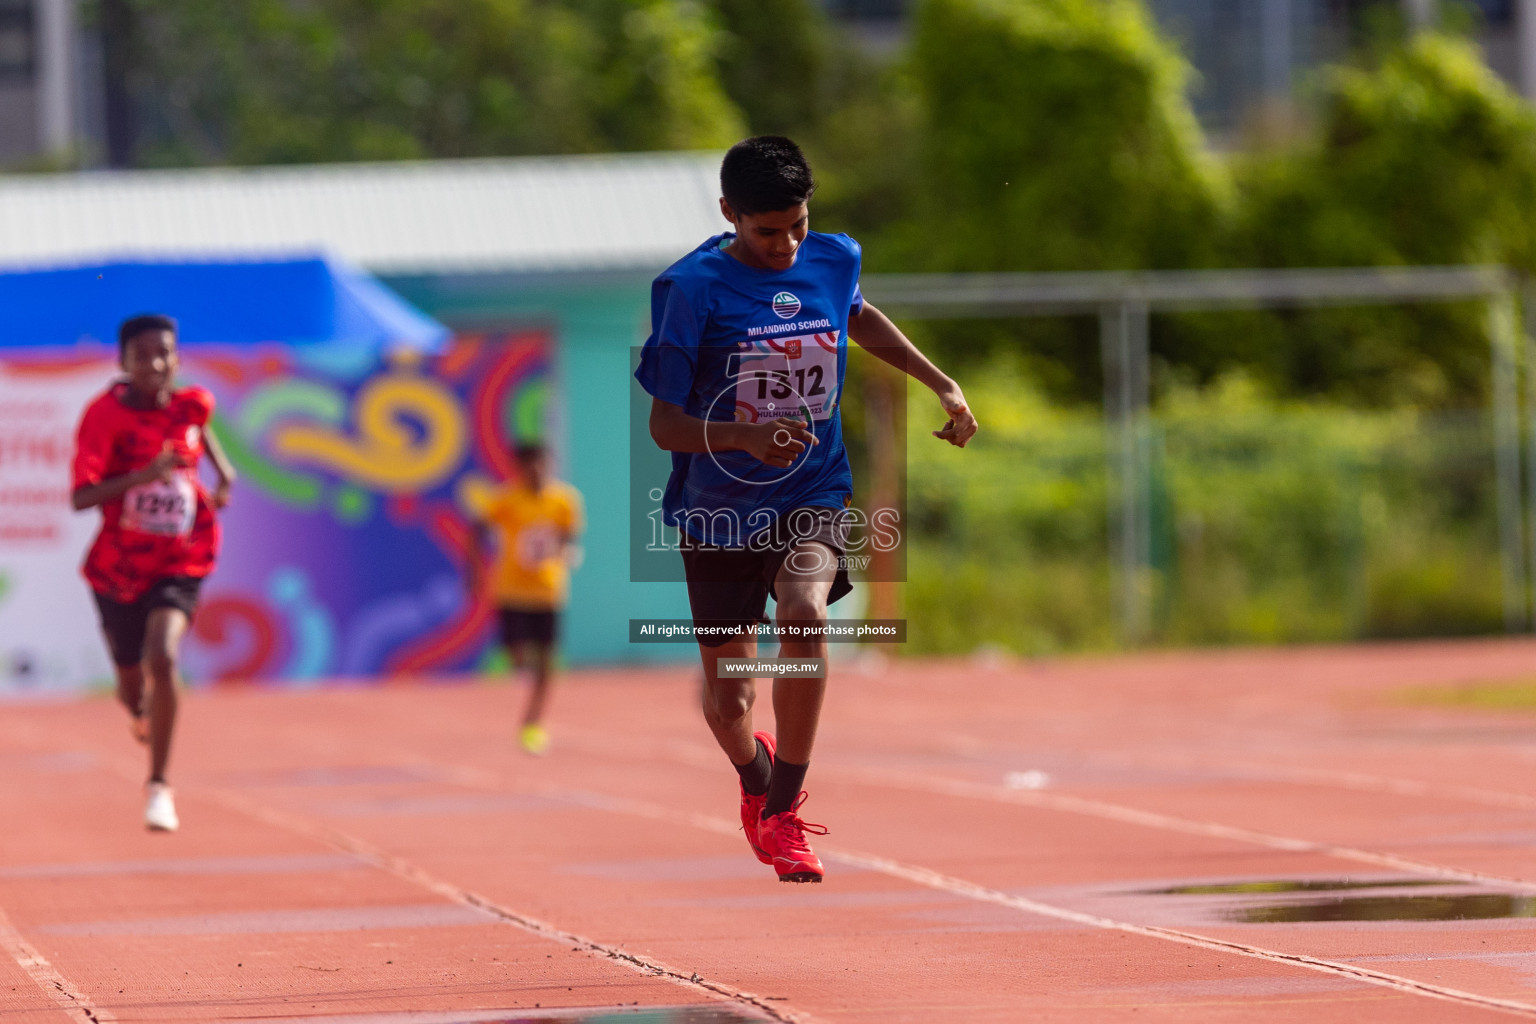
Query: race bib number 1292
[{"x": 165, "y": 509}]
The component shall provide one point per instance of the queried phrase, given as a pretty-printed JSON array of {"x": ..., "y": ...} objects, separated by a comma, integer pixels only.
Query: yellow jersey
[{"x": 532, "y": 528}]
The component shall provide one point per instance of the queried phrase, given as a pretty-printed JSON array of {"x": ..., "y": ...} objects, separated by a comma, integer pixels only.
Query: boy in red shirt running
[{"x": 136, "y": 456}]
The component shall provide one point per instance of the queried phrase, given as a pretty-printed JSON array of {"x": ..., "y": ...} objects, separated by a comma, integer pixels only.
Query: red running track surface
[{"x": 1004, "y": 836}]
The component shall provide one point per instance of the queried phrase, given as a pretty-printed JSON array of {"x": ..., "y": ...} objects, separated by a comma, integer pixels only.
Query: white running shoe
[{"x": 160, "y": 812}]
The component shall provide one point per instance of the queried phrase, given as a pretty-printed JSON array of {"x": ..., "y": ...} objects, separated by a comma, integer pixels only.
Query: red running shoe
[
  {"x": 782, "y": 838},
  {"x": 752, "y": 806}
]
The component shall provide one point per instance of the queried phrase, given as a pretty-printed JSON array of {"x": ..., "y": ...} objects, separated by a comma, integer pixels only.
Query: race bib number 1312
[{"x": 788, "y": 377}]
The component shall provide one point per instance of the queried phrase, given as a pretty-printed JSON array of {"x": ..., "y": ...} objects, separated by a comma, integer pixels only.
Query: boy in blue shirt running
[{"x": 745, "y": 367}]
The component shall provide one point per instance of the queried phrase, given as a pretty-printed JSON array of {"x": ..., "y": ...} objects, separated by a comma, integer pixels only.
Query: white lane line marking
[
  {"x": 419, "y": 876},
  {"x": 957, "y": 886},
  {"x": 1366, "y": 783},
  {"x": 400, "y": 867},
  {"x": 1153, "y": 819},
  {"x": 695, "y": 756},
  {"x": 48, "y": 977},
  {"x": 1362, "y": 782},
  {"x": 970, "y": 890}
]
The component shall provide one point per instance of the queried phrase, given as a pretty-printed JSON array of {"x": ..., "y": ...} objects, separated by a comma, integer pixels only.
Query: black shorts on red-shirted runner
[{"x": 124, "y": 624}]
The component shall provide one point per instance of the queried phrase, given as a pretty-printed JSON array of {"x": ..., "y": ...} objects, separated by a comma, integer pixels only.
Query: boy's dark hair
[
  {"x": 765, "y": 173},
  {"x": 528, "y": 450},
  {"x": 137, "y": 325}
]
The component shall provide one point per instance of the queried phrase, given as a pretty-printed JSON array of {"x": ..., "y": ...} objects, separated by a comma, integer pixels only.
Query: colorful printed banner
[{"x": 344, "y": 544}]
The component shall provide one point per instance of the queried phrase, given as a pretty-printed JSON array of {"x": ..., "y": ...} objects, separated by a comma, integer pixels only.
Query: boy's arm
[
  {"x": 575, "y": 520},
  {"x": 570, "y": 534},
  {"x": 882, "y": 339},
  {"x": 162, "y": 467},
  {"x": 221, "y": 465},
  {"x": 474, "y": 567},
  {"x": 777, "y": 442}
]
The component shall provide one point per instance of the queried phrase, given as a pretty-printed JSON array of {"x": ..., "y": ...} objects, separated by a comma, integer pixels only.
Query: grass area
[
  {"x": 1517, "y": 694},
  {"x": 1273, "y": 522}
]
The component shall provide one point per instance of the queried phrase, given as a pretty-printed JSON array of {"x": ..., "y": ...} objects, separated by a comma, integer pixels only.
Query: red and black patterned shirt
[{"x": 157, "y": 529}]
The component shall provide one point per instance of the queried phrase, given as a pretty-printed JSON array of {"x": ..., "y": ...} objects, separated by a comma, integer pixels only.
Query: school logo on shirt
[
  {"x": 785, "y": 305},
  {"x": 193, "y": 434}
]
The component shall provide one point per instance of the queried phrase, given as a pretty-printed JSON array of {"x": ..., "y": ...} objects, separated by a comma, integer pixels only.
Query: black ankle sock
[
  {"x": 784, "y": 788},
  {"x": 756, "y": 772}
]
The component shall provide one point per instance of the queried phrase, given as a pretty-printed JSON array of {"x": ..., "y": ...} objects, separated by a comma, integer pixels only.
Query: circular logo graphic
[
  {"x": 763, "y": 475},
  {"x": 785, "y": 305}
]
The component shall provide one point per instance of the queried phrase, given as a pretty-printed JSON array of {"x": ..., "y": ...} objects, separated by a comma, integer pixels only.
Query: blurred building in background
[
  {"x": 561, "y": 249},
  {"x": 879, "y": 25},
  {"x": 1252, "y": 56},
  {"x": 41, "y": 67},
  {"x": 65, "y": 96}
]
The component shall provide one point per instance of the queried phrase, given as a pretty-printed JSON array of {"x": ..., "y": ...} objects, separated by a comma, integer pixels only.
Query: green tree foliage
[
  {"x": 1426, "y": 158},
  {"x": 794, "y": 72},
  {"x": 1281, "y": 522},
  {"x": 266, "y": 81},
  {"x": 1034, "y": 135},
  {"x": 1422, "y": 156},
  {"x": 1056, "y": 136},
  {"x": 774, "y": 61}
]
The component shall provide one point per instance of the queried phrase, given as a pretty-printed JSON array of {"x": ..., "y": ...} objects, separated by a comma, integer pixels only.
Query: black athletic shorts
[
  {"x": 124, "y": 624},
  {"x": 520, "y": 625},
  {"x": 728, "y": 588}
]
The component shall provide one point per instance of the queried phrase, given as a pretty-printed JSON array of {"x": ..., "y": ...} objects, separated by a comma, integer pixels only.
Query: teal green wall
[{"x": 595, "y": 321}]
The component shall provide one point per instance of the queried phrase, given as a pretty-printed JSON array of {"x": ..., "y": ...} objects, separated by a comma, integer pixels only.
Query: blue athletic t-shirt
[{"x": 729, "y": 341}]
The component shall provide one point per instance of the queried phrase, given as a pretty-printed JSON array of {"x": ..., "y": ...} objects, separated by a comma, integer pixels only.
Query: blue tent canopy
[{"x": 307, "y": 300}]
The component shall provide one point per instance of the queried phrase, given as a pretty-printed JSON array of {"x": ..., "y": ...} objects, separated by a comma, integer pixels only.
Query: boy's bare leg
[
  {"x": 539, "y": 658},
  {"x": 803, "y": 585},
  {"x": 162, "y": 659},
  {"x": 130, "y": 693},
  {"x": 130, "y": 687},
  {"x": 728, "y": 702}
]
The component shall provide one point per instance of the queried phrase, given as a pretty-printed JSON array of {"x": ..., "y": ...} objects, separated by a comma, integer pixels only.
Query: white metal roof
[{"x": 516, "y": 214}]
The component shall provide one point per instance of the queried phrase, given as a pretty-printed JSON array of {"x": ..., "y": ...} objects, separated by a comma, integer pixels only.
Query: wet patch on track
[
  {"x": 1315, "y": 900},
  {"x": 1294, "y": 885},
  {"x": 1487, "y": 906}
]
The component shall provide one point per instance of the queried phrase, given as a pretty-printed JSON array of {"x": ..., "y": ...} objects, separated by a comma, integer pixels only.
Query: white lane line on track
[
  {"x": 686, "y": 754},
  {"x": 1335, "y": 778},
  {"x": 696, "y": 756},
  {"x": 1364, "y": 782},
  {"x": 1153, "y": 819},
  {"x": 480, "y": 778},
  {"x": 419, "y": 876},
  {"x": 402, "y": 868},
  {"x": 47, "y": 977},
  {"x": 970, "y": 890}
]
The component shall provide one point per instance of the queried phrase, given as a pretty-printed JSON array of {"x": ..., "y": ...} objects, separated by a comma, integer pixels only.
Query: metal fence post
[
  {"x": 1502, "y": 330},
  {"x": 1528, "y": 432},
  {"x": 1123, "y": 342}
]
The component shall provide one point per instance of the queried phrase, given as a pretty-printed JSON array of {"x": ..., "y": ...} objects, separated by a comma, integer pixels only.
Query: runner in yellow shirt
[{"x": 535, "y": 521}]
